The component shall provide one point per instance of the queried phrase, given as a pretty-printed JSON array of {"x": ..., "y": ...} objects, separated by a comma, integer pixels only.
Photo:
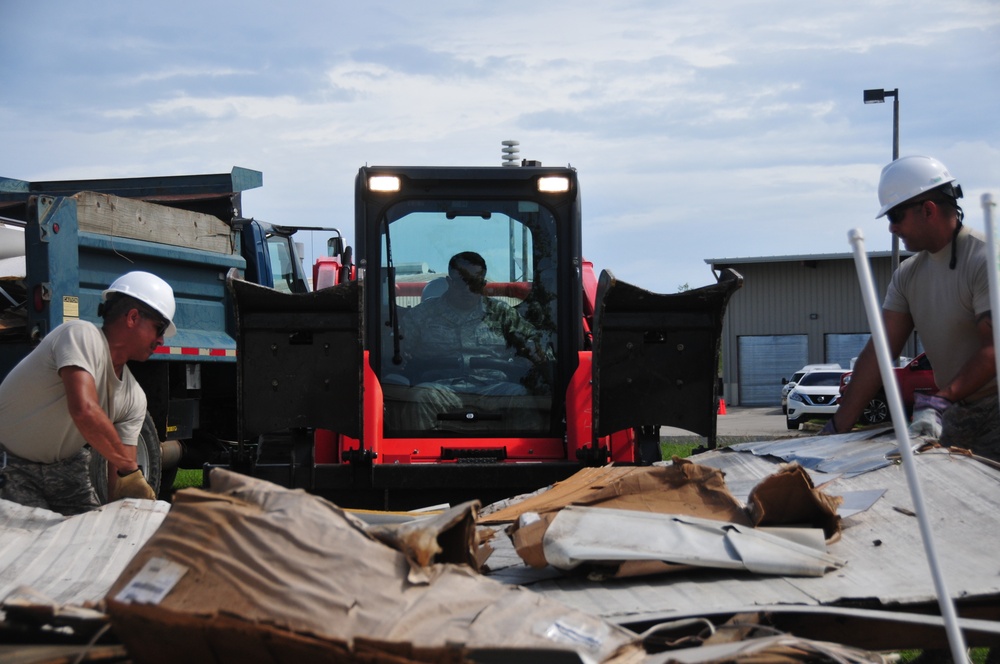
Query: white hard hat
[
  {"x": 908, "y": 177},
  {"x": 150, "y": 289}
]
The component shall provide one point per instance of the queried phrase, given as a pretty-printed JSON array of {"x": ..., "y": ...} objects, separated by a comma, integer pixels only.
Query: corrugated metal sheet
[
  {"x": 882, "y": 546},
  {"x": 76, "y": 559}
]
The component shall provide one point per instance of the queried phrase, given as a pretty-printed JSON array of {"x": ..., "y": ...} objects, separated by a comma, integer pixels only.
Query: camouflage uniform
[
  {"x": 63, "y": 486},
  {"x": 974, "y": 426},
  {"x": 435, "y": 330},
  {"x": 441, "y": 343}
]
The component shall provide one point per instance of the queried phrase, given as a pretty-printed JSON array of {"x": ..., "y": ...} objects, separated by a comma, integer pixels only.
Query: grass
[
  {"x": 683, "y": 446},
  {"x": 187, "y": 478}
]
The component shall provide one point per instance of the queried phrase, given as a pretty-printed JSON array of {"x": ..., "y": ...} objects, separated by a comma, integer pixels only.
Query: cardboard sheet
[
  {"x": 552, "y": 529},
  {"x": 582, "y": 535},
  {"x": 681, "y": 488},
  {"x": 286, "y": 576},
  {"x": 788, "y": 497}
]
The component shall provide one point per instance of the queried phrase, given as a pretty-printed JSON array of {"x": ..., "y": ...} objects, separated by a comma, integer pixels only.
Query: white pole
[
  {"x": 992, "y": 258},
  {"x": 881, "y": 345}
]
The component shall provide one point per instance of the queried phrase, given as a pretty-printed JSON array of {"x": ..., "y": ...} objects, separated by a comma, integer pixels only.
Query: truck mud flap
[
  {"x": 299, "y": 358},
  {"x": 656, "y": 357}
]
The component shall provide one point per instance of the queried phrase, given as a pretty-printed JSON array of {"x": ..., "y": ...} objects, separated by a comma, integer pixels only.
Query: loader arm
[
  {"x": 300, "y": 359},
  {"x": 656, "y": 357}
]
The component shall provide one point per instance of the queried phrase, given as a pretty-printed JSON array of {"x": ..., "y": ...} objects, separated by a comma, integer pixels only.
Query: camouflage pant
[
  {"x": 63, "y": 486},
  {"x": 974, "y": 426}
]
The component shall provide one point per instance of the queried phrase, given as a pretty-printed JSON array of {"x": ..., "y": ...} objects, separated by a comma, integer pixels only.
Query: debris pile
[{"x": 256, "y": 568}]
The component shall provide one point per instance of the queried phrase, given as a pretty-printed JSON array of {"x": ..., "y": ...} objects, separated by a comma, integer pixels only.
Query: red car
[{"x": 916, "y": 376}]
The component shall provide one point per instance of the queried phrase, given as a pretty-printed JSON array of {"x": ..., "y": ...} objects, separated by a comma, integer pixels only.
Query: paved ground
[{"x": 739, "y": 421}]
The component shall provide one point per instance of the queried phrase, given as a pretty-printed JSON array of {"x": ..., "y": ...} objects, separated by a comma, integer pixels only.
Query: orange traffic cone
[{"x": 722, "y": 406}]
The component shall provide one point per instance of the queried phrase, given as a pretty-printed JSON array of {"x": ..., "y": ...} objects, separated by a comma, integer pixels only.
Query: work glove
[
  {"x": 927, "y": 412},
  {"x": 133, "y": 485}
]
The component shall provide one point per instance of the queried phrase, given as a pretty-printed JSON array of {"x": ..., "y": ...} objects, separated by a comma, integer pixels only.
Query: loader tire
[{"x": 147, "y": 454}]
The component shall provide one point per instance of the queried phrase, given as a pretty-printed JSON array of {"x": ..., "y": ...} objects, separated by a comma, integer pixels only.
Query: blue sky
[{"x": 700, "y": 130}]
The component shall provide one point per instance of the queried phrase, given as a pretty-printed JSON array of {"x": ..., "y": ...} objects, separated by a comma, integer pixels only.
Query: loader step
[{"x": 474, "y": 455}]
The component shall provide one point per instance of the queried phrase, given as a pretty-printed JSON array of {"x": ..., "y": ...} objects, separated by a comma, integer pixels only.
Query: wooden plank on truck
[{"x": 139, "y": 220}]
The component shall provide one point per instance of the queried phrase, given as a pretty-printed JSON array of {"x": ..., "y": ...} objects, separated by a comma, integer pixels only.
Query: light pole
[{"x": 878, "y": 97}]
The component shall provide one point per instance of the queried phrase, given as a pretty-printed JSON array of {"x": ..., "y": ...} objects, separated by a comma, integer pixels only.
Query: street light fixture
[{"x": 878, "y": 97}]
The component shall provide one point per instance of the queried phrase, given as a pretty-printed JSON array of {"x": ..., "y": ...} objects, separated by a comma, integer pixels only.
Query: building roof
[{"x": 796, "y": 258}]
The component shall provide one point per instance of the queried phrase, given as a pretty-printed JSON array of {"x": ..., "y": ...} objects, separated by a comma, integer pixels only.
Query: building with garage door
[{"x": 793, "y": 311}]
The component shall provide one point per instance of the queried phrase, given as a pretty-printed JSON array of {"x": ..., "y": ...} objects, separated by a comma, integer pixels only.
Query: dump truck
[
  {"x": 63, "y": 242},
  {"x": 337, "y": 396}
]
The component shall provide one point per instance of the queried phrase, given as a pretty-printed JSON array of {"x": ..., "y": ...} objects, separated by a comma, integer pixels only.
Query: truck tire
[
  {"x": 792, "y": 424},
  {"x": 147, "y": 454}
]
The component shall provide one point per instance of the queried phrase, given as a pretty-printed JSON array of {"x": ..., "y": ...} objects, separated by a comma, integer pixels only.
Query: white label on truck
[
  {"x": 153, "y": 582},
  {"x": 71, "y": 308}
]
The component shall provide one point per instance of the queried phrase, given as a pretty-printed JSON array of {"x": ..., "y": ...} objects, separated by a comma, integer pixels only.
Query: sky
[{"x": 700, "y": 130}]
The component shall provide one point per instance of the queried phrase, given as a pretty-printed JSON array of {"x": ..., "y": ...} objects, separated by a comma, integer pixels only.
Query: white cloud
[{"x": 700, "y": 130}]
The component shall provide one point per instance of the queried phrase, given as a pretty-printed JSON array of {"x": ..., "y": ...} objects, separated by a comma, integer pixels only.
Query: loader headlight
[
  {"x": 553, "y": 184},
  {"x": 385, "y": 183}
]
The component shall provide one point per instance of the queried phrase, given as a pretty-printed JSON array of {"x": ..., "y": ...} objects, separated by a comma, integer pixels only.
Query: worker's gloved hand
[
  {"x": 828, "y": 428},
  {"x": 927, "y": 412},
  {"x": 133, "y": 485}
]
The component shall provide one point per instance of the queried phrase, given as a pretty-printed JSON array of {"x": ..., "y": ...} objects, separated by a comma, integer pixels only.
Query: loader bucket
[
  {"x": 656, "y": 357},
  {"x": 299, "y": 358}
]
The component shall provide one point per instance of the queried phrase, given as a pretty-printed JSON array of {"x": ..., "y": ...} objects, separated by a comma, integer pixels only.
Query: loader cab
[{"x": 472, "y": 298}]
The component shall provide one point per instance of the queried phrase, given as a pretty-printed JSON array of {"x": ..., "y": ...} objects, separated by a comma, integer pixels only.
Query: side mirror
[
  {"x": 784, "y": 381},
  {"x": 335, "y": 246}
]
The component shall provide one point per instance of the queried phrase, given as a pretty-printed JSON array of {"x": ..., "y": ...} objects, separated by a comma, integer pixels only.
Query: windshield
[
  {"x": 282, "y": 264},
  {"x": 821, "y": 378},
  {"x": 473, "y": 338}
]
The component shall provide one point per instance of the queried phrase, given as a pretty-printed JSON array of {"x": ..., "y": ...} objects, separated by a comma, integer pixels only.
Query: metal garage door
[
  {"x": 764, "y": 361},
  {"x": 841, "y": 348}
]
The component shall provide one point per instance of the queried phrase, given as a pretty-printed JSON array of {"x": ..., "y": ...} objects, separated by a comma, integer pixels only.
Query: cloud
[{"x": 699, "y": 130}]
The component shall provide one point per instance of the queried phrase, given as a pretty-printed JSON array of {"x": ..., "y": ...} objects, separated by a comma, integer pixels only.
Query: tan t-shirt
[
  {"x": 34, "y": 414},
  {"x": 945, "y": 303}
]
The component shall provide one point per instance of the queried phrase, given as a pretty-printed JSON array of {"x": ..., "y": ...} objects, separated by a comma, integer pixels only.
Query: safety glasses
[
  {"x": 898, "y": 213},
  {"x": 158, "y": 320}
]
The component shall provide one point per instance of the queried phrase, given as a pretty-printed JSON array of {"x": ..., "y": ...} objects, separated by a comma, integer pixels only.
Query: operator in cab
[
  {"x": 74, "y": 393},
  {"x": 462, "y": 343}
]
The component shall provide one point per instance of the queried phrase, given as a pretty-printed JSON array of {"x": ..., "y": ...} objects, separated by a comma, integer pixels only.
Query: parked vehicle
[
  {"x": 328, "y": 395},
  {"x": 77, "y": 236},
  {"x": 788, "y": 384},
  {"x": 915, "y": 376},
  {"x": 816, "y": 396}
]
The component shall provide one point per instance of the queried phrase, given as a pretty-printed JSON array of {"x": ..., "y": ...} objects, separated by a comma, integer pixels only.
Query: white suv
[
  {"x": 788, "y": 384},
  {"x": 817, "y": 395}
]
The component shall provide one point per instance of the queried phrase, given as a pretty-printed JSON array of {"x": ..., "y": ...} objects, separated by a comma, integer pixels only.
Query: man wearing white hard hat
[
  {"x": 73, "y": 390},
  {"x": 942, "y": 292}
]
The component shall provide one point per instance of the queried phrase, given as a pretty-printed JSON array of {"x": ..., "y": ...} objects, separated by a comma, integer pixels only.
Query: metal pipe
[
  {"x": 895, "y": 156},
  {"x": 991, "y": 265},
  {"x": 171, "y": 452},
  {"x": 881, "y": 344}
]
